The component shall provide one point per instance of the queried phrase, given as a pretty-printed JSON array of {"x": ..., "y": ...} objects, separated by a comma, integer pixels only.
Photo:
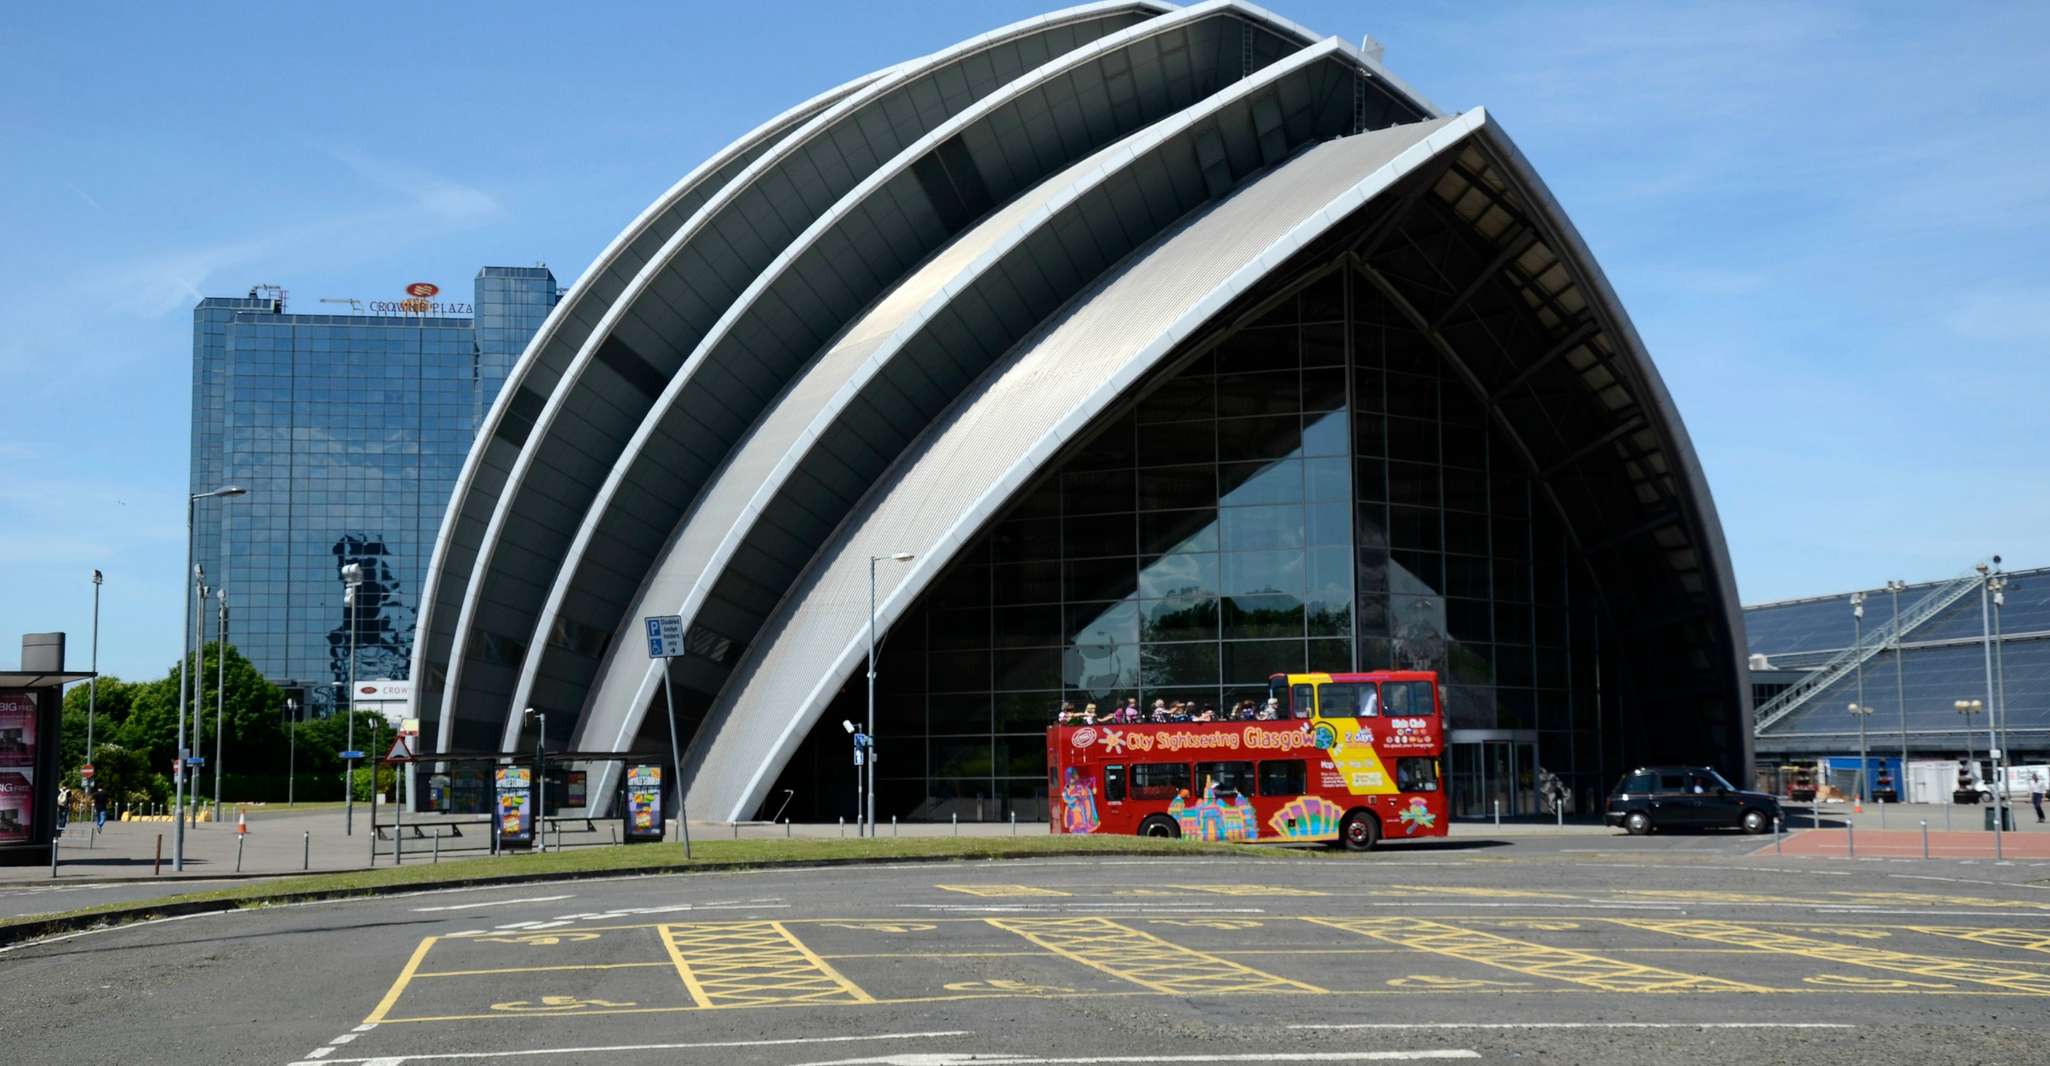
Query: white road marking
[
  {"x": 494, "y": 903},
  {"x": 364, "y": 1028},
  {"x": 1578, "y": 1025},
  {"x": 320, "y": 1053},
  {"x": 342, "y": 1039},
  {"x": 945, "y": 1059},
  {"x": 394, "y": 1060}
]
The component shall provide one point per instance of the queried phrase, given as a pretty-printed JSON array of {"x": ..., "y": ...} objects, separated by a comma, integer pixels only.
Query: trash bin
[{"x": 2006, "y": 817}]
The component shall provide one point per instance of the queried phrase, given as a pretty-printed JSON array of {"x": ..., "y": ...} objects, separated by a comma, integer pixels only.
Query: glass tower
[
  {"x": 349, "y": 432},
  {"x": 1311, "y": 491}
]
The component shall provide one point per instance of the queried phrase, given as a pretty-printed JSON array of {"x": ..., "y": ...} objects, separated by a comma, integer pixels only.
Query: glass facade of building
[
  {"x": 348, "y": 431},
  {"x": 1312, "y": 491}
]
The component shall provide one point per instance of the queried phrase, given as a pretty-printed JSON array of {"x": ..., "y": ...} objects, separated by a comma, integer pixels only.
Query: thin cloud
[{"x": 443, "y": 198}]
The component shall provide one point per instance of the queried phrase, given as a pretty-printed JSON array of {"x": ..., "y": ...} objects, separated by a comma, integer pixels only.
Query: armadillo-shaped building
[{"x": 1176, "y": 346}]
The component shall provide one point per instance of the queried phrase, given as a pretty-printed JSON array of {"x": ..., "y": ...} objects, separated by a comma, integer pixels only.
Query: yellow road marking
[
  {"x": 2021, "y": 939},
  {"x": 1001, "y": 891},
  {"x": 1535, "y": 960},
  {"x": 538, "y": 969},
  {"x": 1489, "y": 893},
  {"x": 753, "y": 964},
  {"x": 1144, "y": 959},
  {"x": 391, "y": 995},
  {"x": 1864, "y": 955}
]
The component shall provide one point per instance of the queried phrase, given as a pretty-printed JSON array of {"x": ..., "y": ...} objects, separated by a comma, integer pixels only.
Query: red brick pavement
[{"x": 1907, "y": 844}]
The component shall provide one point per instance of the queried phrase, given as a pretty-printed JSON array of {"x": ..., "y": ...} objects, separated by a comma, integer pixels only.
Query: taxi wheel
[
  {"x": 1637, "y": 824},
  {"x": 1756, "y": 822},
  {"x": 1359, "y": 831},
  {"x": 1160, "y": 828}
]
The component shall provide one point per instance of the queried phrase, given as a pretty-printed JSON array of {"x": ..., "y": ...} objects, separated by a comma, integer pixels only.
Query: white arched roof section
[
  {"x": 631, "y": 495},
  {"x": 795, "y": 444},
  {"x": 540, "y": 367},
  {"x": 1067, "y": 375},
  {"x": 579, "y": 427}
]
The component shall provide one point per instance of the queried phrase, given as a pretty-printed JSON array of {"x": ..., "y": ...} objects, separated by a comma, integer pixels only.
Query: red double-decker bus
[{"x": 1346, "y": 758}]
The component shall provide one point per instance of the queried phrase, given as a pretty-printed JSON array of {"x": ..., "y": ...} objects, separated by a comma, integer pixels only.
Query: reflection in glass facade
[
  {"x": 1313, "y": 491},
  {"x": 349, "y": 432}
]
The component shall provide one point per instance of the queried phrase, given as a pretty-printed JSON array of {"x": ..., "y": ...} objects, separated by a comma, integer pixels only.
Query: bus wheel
[
  {"x": 1160, "y": 828},
  {"x": 1359, "y": 831}
]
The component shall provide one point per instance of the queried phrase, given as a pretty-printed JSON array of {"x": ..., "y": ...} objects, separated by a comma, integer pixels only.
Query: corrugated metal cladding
[{"x": 1178, "y": 346}]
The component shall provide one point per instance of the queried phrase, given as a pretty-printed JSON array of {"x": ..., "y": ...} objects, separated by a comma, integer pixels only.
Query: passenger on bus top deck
[
  {"x": 1271, "y": 711},
  {"x": 1207, "y": 714},
  {"x": 1179, "y": 712},
  {"x": 1160, "y": 710},
  {"x": 1066, "y": 715},
  {"x": 1131, "y": 708},
  {"x": 1089, "y": 713}
]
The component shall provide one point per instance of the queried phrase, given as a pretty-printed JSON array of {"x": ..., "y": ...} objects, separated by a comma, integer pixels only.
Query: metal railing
[{"x": 1880, "y": 638}]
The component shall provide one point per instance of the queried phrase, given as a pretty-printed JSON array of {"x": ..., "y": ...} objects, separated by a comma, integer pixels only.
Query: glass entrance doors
[{"x": 1496, "y": 767}]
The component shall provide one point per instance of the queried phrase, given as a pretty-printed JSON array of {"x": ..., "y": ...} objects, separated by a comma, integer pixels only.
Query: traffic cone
[
  {"x": 1858, "y": 805},
  {"x": 241, "y": 823}
]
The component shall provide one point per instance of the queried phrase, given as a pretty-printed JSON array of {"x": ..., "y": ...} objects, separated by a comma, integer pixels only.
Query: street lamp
[
  {"x": 1864, "y": 763},
  {"x": 540, "y": 720},
  {"x": 352, "y": 579},
  {"x": 1859, "y": 708},
  {"x": 1994, "y": 756},
  {"x": 292, "y": 756},
  {"x": 201, "y": 592},
  {"x": 870, "y": 770},
  {"x": 92, "y": 690},
  {"x": 178, "y": 777},
  {"x": 220, "y": 692},
  {"x": 1999, "y": 586},
  {"x": 1900, "y": 690}
]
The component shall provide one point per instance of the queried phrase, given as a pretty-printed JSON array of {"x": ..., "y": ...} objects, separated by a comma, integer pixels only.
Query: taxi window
[
  {"x": 1640, "y": 784},
  {"x": 1672, "y": 782}
]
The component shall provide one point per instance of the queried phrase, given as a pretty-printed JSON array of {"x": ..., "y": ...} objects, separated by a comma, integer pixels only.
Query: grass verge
[{"x": 598, "y": 862}]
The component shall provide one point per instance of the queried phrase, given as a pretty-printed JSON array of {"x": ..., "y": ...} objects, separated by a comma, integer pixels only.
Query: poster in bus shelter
[
  {"x": 514, "y": 810},
  {"x": 644, "y": 803},
  {"x": 18, "y": 714}
]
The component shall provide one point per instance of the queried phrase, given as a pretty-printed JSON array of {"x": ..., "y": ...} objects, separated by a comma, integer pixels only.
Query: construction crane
[{"x": 355, "y": 305}]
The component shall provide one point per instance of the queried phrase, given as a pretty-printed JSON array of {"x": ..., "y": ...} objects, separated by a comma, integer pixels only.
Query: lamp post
[
  {"x": 1999, "y": 585},
  {"x": 1858, "y": 708},
  {"x": 292, "y": 751},
  {"x": 870, "y": 770},
  {"x": 92, "y": 689},
  {"x": 1864, "y": 763},
  {"x": 1994, "y": 756},
  {"x": 352, "y": 579},
  {"x": 201, "y": 592},
  {"x": 540, "y": 720},
  {"x": 178, "y": 777},
  {"x": 1900, "y": 688},
  {"x": 220, "y": 692}
]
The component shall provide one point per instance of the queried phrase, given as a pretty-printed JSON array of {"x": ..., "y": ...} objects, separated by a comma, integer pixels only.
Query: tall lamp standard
[
  {"x": 1863, "y": 712},
  {"x": 352, "y": 579},
  {"x": 220, "y": 692},
  {"x": 292, "y": 751},
  {"x": 540, "y": 720},
  {"x": 1900, "y": 689},
  {"x": 1999, "y": 585},
  {"x": 178, "y": 777},
  {"x": 92, "y": 689},
  {"x": 1858, "y": 708},
  {"x": 201, "y": 592},
  {"x": 1994, "y": 756},
  {"x": 870, "y": 770}
]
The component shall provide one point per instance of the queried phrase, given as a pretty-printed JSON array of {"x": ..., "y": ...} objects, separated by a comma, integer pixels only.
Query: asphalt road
[{"x": 1581, "y": 951}]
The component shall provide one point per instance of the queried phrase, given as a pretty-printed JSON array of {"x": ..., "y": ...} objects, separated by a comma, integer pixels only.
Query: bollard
[
  {"x": 1776, "y": 838},
  {"x": 843, "y": 828},
  {"x": 53, "y": 858},
  {"x": 786, "y": 828},
  {"x": 1559, "y": 814},
  {"x": 613, "y": 831},
  {"x": 1014, "y": 823},
  {"x": 1498, "y": 814},
  {"x": 1850, "y": 843},
  {"x": 437, "y": 847},
  {"x": 1946, "y": 815},
  {"x": 159, "y": 868},
  {"x": 736, "y": 830},
  {"x": 398, "y": 849},
  {"x": 238, "y": 853},
  {"x": 957, "y": 824},
  {"x": 893, "y": 825},
  {"x": 1925, "y": 838},
  {"x": 306, "y": 850},
  {"x": 1882, "y": 814}
]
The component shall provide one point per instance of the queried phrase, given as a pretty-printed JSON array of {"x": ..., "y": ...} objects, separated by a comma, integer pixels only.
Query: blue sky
[{"x": 1828, "y": 223}]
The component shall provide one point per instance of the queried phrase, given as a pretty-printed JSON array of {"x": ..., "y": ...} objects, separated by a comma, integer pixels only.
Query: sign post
[{"x": 665, "y": 642}]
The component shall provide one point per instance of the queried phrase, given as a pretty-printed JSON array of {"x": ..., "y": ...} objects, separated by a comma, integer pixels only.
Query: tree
[
  {"x": 108, "y": 709},
  {"x": 253, "y": 737}
]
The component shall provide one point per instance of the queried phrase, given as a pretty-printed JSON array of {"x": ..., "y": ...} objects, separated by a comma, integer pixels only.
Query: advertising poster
[
  {"x": 514, "y": 809},
  {"x": 17, "y": 767},
  {"x": 17, "y": 806},
  {"x": 644, "y": 803},
  {"x": 575, "y": 788}
]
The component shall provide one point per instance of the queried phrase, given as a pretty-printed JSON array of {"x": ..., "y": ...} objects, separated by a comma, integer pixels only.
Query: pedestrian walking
[
  {"x": 100, "y": 804},
  {"x": 2036, "y": 795}
]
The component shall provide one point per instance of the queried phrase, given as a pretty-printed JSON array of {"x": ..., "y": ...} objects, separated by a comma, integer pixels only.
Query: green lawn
[{"x": 648, "y": 858}]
